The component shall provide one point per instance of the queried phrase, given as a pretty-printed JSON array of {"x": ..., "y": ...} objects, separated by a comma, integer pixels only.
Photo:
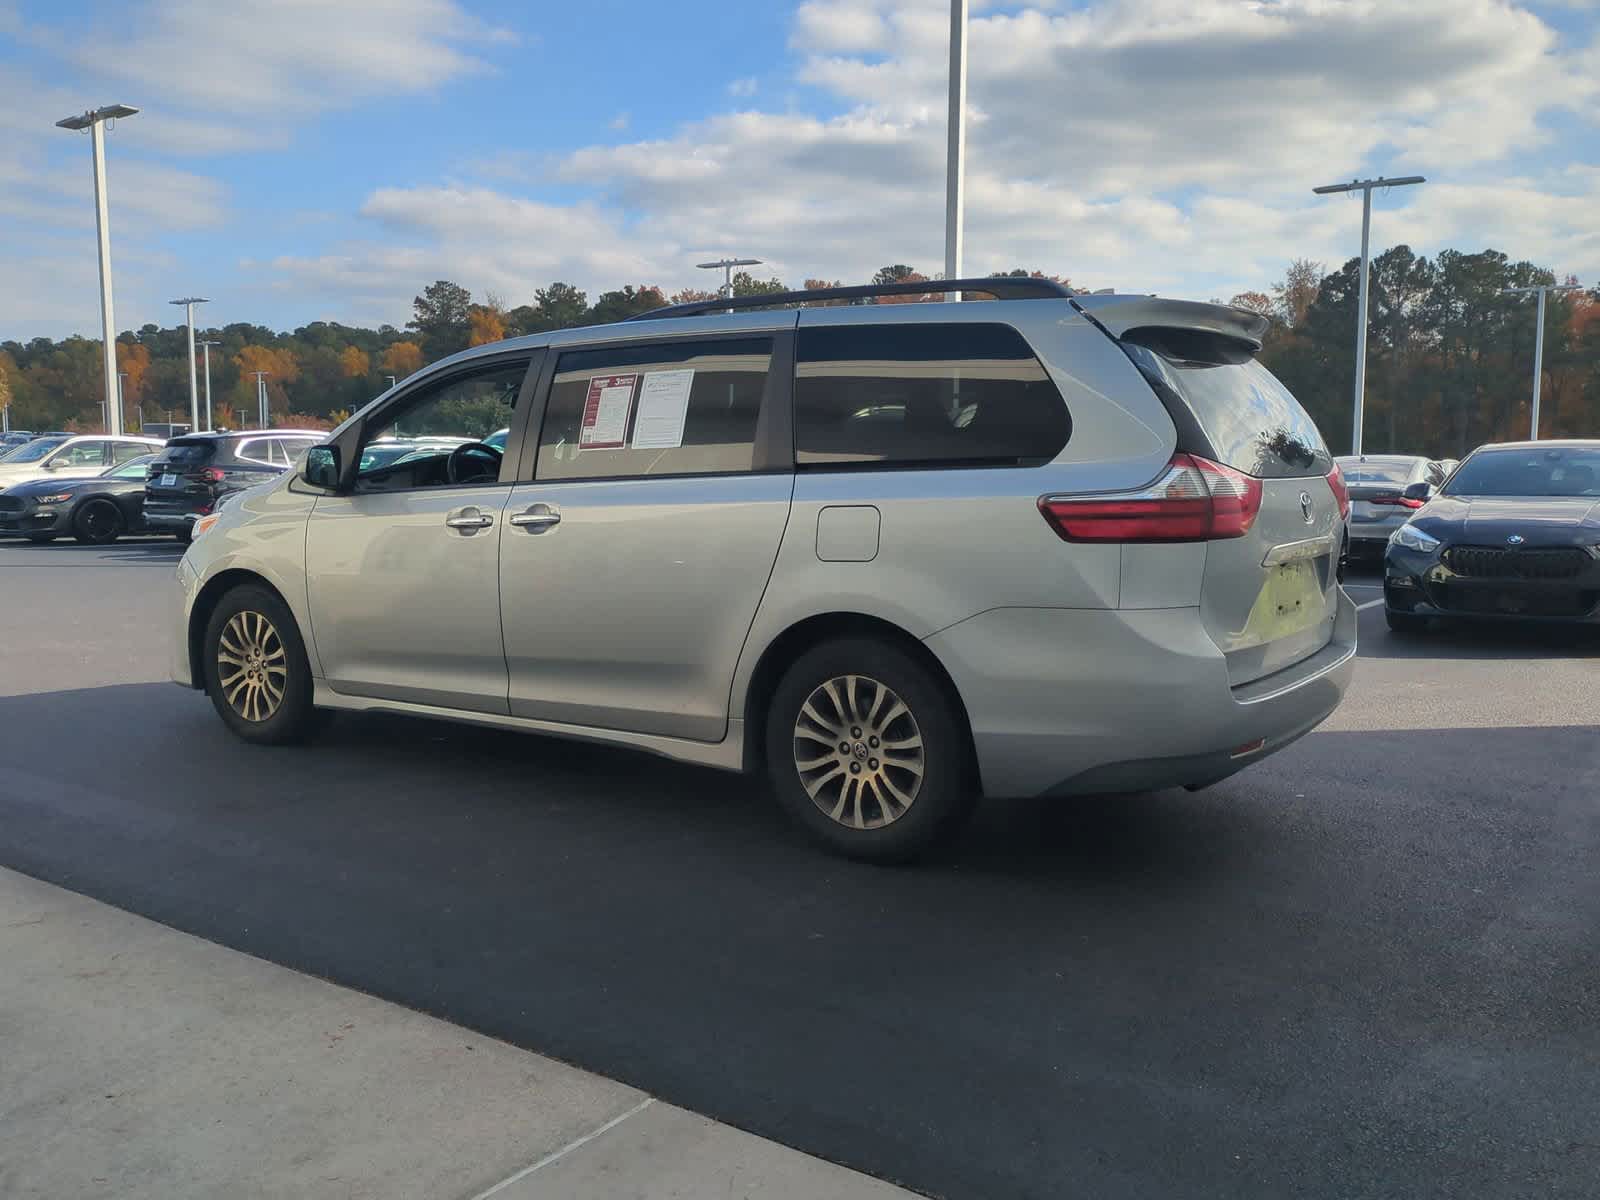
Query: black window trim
[
  {"x": 773, "y": 451},
  {"x": 856, "y": 467}
]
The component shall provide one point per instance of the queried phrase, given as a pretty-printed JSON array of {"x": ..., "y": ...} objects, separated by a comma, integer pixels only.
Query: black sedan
[
  {"x": 95, "y": 509},
  {"x": 1514, "y": 535}
]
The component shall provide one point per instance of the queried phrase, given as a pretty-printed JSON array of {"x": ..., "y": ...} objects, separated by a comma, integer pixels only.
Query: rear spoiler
[{"x": 1121, "y": 315}]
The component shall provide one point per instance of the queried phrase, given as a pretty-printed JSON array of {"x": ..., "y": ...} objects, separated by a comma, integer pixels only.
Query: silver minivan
[{"x": 896, "y": 556}]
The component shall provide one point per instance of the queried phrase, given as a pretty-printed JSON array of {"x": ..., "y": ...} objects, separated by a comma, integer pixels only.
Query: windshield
[
  {"x": 1370, "y": 471},
  {"x": 1529, "y": 471},
  {"x": 134, "y": 468},
  {"x": 33, "y": 451}
]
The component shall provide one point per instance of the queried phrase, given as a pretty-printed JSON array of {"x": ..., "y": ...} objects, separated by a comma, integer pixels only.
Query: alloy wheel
[
  {"x": 859, "y": 752},
  {"x": 252, "y": 667}
]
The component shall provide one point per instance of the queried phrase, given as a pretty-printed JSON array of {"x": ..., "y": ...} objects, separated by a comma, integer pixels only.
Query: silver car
[
  {"x": 894, "y": 556},
  {"x": 1385, "y": 491}
]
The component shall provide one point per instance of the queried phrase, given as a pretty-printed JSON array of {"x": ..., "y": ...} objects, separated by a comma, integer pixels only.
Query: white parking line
[
  {"x": 1369, "y": 604},
  {"x": 565, "y": 1150}
]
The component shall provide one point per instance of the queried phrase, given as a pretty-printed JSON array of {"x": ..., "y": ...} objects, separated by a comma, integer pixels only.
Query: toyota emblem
[
  {"x": 1516, "y": 539},
  {"x": 1305, "y": 506}
]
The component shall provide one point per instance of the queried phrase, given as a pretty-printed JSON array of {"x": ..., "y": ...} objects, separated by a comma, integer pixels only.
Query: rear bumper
[
  {"x": 169, "y": 522},
  {"x": 1075, "y": 701}
]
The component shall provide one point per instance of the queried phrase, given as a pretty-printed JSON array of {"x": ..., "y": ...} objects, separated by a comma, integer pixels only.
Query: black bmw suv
[{"x": 195, "y": 471}]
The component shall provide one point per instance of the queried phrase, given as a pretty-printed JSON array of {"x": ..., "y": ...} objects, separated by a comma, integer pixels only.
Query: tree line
[{"x": 1449, "y": 359}]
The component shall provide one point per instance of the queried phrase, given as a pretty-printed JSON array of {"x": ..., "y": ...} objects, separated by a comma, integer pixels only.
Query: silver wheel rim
[
  {"x": 252, "y": 668},
  {"x": 858, "y": 751}
]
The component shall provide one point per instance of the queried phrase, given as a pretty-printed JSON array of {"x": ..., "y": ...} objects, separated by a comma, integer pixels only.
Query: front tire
[
  {"x": 98, "y": 523},
  {"x": 867, "y": 751},
  {"x": 256, "y": 670}
]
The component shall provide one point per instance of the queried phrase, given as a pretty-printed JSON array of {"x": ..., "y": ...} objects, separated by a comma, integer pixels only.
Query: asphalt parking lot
[{"x": 1368, "y": 966}]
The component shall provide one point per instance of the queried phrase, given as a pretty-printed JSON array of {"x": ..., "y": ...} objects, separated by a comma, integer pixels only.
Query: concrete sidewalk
[{"x": 137, "y": 1061}]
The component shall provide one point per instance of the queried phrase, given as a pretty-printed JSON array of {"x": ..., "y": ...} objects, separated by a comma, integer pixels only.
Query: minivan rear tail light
[
  {"x": 1194, "y": 500},
  {"x": 213, "y": 475},
  {"x": 1341, "y": 494}
]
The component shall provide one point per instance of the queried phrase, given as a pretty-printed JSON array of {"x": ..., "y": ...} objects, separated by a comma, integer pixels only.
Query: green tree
[
  {"x": 626, "y": 302},
  {"x": 442, "y": 318}
]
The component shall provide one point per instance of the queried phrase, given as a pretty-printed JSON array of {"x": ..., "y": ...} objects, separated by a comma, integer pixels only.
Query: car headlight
[
  {"x": 1412, "y": 538},
  {"x": 57, "y": 498}
]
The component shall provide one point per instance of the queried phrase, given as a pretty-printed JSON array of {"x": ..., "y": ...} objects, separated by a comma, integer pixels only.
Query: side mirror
[
  {"x": 1418, "y": 491},
  {"x": 55, "y": 464},
  {"x": 321, "y": 468}
]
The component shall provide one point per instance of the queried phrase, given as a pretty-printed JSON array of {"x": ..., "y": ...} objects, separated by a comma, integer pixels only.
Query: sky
[{"x": 306, "y": 160}]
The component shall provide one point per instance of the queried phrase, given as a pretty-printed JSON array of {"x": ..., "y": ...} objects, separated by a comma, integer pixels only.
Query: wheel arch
[
  {"x": 205, "y": 603},
  {"x": 811, "y": 631}
]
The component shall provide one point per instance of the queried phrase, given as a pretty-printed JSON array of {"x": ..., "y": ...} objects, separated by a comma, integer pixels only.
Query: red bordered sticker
[{"x": 606, "y": 410}]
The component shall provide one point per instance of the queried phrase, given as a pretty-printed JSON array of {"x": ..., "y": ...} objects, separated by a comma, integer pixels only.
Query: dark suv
[{"x": 197, "y": 470}]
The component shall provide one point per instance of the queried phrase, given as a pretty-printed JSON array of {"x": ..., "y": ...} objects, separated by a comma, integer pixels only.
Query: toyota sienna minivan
[{"x": 896, "y": 556}]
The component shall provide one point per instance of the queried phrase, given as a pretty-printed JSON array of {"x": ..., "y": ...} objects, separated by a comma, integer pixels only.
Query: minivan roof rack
[{"x": 1001, "y": 287}]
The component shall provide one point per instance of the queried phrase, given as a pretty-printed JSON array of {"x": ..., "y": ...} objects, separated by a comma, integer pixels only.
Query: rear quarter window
[
  {"x": 1253, "y": 422},
  {"x": 923, "y": 395}
]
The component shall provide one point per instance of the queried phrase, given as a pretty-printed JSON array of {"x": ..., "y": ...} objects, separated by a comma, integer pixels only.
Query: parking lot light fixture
[
  {"x": 95, "y": 122},
  {"x": 206, "y": 347},
  {"x": 188, "y": 303},
  {"x": 726, "y": 266},
  {"x": 1540, "y": 290},
  {"x": 1364, "y": 186}
]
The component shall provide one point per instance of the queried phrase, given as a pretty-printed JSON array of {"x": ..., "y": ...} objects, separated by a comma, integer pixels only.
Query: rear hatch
[
  {"x": 1270, "y": 595},
  {"x": 182, "y": 477}
]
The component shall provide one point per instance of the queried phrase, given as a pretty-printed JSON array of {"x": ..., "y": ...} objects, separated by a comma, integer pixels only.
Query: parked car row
[{"x": 98, "y": 487}]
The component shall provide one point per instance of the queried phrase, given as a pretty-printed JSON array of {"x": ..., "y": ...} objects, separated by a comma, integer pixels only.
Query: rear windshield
[
  {"x": 189, "y": 453},
  {"x": 1375, "y": 472},
  {"x": 33, "y": 451},
  {"x": 1253, "y": 422},
  {"x": 1538, "y": 471}
]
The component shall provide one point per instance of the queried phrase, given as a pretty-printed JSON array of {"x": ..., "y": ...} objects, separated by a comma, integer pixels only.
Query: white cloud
[
  {"x": 619, "y": 122},
  {"x": 744, "y": 88},
  {"x": 264, "y": 63}
]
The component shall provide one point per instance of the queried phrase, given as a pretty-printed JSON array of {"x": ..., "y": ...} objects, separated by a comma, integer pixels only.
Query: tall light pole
[
  {"x": 261, "y": 397},
  {"x": 206, "y": 346},
  {"x": 726, "y": 266},
  {"x": 1541, "y": 291},
  {"x": 121, "y": 398},
  {"x": 94, "y": 121},
  {"x": 956, "y": 129},
  {"x": 1364, "y": 186},
  {"x": 188, "y": 303}
]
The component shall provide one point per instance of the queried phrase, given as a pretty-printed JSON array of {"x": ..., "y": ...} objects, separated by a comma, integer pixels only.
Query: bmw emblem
[
  {"x": 1305, "y": 506},
  {"x": 1516, "y": 539}
]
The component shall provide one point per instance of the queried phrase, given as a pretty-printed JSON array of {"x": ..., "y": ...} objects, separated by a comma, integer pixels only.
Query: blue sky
[{"x": 301, "y": 161}]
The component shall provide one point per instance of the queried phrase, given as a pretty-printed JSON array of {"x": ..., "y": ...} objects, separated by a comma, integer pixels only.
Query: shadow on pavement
[{"x": 1481, "y": 640}]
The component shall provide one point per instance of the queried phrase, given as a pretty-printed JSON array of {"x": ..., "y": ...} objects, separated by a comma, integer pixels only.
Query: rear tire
[
  {"x": 902, "y": 781},
  {"x": 1400, "y": 622},
  {"x": 256, "y": 670},
  {"x": 98, "y": 523}
]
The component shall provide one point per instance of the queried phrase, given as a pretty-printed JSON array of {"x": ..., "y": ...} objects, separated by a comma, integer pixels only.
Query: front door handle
[
  {"x": 537, "y": 518},
  {"x": 469, "y": 521}
]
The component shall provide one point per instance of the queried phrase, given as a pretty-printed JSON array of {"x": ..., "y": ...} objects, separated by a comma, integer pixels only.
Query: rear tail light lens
[
  {"x": 212, "y": 475},
  {"x": 1396, "y": 501},
  {"x": 1194, "y": 500},
  {"x": 1341, "y": 494}
]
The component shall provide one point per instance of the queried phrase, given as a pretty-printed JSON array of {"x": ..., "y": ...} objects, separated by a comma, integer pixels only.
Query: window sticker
[
  {"x": 663, "y": 409},
  {"x": 605, "y": 412}
]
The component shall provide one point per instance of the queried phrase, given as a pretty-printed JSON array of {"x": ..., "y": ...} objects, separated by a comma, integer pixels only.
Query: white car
[{"x": 82, "y": 454}]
